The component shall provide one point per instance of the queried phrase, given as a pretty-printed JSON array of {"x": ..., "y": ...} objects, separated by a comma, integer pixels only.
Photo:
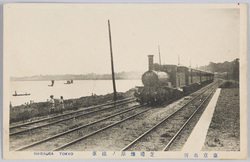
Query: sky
[{"x": 51, "y": 39}]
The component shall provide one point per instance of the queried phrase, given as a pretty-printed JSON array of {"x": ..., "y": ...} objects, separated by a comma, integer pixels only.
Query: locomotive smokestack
[{"x": 150, "y": 62}]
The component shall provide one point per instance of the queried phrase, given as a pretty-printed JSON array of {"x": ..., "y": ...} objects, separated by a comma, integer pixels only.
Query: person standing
[
  {"x": 52, "y": 104},
  {"x": 61, "y": 104}
]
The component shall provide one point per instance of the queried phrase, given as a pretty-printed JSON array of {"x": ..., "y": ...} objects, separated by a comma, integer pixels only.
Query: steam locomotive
[{"x": 170, "y": 81}]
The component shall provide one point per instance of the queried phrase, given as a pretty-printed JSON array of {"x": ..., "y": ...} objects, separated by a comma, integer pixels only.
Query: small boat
[
  {"x": 69, "y": 82},
  {"x": 21, "y": 94},
  {"x": 52, "y": 83}
]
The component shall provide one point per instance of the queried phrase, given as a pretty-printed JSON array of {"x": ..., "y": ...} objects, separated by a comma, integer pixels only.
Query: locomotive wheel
[{"x": 161, "y": 95}]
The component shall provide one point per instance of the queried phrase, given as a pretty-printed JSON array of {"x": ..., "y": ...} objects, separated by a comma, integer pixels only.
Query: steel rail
[
  {"x": 74, "y": 129},
  {"x": 145, "y": 133},
  {"x": 61, "y": 120},
  {"x": 99, "y": 130},
  {"x": 183, "y": 126},
  {"x": 53, "y": 117}
]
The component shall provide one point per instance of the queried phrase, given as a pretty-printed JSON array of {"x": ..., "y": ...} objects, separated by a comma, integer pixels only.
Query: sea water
[{"x": 40, "y": 91}]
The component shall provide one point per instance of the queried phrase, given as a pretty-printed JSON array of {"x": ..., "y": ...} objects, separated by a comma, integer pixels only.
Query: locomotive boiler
[{"x": 169, "y": 81}]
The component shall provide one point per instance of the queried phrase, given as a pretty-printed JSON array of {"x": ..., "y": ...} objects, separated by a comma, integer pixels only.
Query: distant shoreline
[
  {"x": 92, "y": 76},
  {"x": 74, "y": 79}
]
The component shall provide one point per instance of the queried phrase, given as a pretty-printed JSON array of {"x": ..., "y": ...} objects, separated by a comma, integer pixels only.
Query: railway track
[
  {"x": 28, "y": 126},
  {"x": 186, "y": 123},
  {"x": 70, "y": 137},
  {"x": 96, "y": 127},
  {"x": 75, "y": 142},
  {"x": 173, "y": 130}
]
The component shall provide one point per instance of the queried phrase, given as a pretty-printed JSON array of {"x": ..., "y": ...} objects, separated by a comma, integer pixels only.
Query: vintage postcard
[{"x": 125, "y": 81}]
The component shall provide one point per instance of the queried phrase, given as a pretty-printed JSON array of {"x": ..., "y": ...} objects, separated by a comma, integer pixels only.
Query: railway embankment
[
  {"x": 35, "y": 111},
  {"x": 119, "y": 136},
  {"x": 224, "y": 130}
]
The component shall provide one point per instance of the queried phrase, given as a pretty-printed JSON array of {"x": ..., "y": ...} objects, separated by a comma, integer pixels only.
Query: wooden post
[
  {"x": 112, "y": 64},
  {"x": 159, "y": 55}
]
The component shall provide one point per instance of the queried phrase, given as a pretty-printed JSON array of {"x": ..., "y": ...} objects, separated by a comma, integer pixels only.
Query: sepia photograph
[{"x": 92, "y": 80}]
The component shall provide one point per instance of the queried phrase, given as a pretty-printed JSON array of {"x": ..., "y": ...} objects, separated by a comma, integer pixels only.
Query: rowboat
[{"x": 24, "y": 94}]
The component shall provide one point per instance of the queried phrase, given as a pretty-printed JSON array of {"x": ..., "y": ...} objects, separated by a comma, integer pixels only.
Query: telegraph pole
[
  {"x": 112, "y": 64},
  {"x": 159, "y": 55}
]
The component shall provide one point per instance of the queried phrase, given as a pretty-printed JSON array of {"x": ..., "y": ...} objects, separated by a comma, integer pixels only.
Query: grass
[
  {"x": 26, "y": 112},
  {"x": 224, "y": 130}
]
